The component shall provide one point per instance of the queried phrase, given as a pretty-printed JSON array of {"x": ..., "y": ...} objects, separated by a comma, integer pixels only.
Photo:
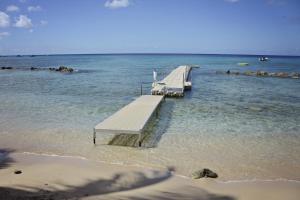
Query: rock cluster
[
  {"x": 260, "y": 73},
  {"x": 62, "y": 69},
  {"x": 6, "y": 68}
]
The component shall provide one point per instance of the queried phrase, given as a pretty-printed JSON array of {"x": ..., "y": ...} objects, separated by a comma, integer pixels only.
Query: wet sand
[{"x": 54, "y": 177}]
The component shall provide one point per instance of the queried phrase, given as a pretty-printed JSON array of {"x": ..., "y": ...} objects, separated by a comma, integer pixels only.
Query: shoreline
[
  {"x": 157, "y": 168},
  {"x": 56, "y": 177}
]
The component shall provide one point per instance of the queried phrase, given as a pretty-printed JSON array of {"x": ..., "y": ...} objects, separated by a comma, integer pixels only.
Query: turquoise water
[{"x": 242, "y": 127}]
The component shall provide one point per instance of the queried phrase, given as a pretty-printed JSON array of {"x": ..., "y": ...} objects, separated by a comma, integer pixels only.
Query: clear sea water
[{"x": 241, "y": 127}]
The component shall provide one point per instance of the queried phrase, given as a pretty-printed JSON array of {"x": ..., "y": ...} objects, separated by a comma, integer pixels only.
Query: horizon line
[{"x": 149, "y": 53}]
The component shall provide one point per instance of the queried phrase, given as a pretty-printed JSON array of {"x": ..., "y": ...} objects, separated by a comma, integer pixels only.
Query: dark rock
[
  {"x": 33, "y": 68},
  {"x": 261, "y": 73},
  {"x": 228, "y": 72},
  {"x": 18, "y": 172},
  {"x": 6, "y": 68},
  {"x": 65, "y": 69},
  {"x": 204, "y": 173},
  {"x": 62, "y": 69}
]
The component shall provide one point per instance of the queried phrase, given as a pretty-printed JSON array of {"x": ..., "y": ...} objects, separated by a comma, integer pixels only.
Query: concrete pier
[{"x": 132, "y": 118}]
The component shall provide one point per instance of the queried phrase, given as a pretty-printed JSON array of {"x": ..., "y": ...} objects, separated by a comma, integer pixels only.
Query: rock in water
[
  {"x": 6, "y": 68},
  {"x": 52, "y": 69},
  {"x": 204, "y": 173},
  {"x": 65, "y": 69},
  {"x": 253, "y": 108}
]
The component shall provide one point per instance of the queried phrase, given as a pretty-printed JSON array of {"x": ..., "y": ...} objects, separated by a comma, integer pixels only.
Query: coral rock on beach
[
  {"x": 204, "y": 173},
  {"x": 18, "y": 172}
]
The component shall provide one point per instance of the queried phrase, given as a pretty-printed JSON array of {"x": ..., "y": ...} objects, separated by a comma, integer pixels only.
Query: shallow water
[{"x": 242, "y": 127}]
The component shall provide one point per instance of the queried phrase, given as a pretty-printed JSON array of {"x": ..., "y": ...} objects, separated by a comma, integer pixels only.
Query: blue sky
[{"x": 157, "y": 26}]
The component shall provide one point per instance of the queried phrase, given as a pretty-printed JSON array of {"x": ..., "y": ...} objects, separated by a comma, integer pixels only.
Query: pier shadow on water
[{"x": 153, "y": 132}]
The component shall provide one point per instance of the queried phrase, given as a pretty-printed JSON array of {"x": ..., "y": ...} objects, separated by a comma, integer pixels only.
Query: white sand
[{"x": 53, "y": 177}]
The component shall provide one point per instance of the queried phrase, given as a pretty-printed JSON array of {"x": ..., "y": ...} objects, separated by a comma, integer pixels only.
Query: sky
[{"x": 265, "y": 27}]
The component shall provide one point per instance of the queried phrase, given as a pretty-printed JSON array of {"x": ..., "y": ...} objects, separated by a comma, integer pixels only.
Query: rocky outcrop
[
  {"x": 62, "y": 69},
  {"x": 3, "y": 68},
  {"x": 261, "y": 73},
  {"x": 294, "y": 75}
]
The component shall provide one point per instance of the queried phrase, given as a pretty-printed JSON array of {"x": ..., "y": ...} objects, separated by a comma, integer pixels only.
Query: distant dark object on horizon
[{"x": 263, "y": 58}]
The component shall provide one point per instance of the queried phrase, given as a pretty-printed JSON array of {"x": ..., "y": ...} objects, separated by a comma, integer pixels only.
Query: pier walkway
[
  {"x": 132, "y": 118},
  {"x": 174, "y": 84}
]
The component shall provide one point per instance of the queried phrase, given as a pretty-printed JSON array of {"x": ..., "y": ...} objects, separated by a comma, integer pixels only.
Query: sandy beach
[
  {"x": 142, "y": 100},
  {"x": 56, "y": 177}
]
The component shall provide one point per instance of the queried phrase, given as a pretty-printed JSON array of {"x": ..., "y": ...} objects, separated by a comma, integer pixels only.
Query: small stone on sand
[{"x": 18, "y": 172}]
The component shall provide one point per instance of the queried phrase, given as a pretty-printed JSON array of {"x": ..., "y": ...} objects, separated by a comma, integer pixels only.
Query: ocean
[{"x": 242, "y": 127}]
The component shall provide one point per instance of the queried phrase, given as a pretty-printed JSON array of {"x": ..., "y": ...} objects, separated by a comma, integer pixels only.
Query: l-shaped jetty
[{"x": 133, "y": 118}]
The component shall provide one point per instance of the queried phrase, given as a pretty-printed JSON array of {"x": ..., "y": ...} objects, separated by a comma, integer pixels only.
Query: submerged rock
[
  {"x": 260, "y": 73},
  {"x": 282, "y": 74},
  {"x": 249, "y": 73},
  {"x": 60, "y": 69},
  {"x": 257, "y": 109},
  {"x": 52, "y": 68},
  {"x": 204, "y": 173},
  {"x": 236, "y": 73}
]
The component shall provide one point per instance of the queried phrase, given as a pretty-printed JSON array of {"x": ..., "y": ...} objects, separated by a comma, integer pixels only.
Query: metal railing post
[{"x": 94, "y": 136}]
